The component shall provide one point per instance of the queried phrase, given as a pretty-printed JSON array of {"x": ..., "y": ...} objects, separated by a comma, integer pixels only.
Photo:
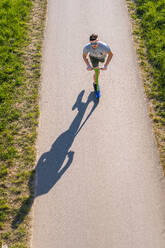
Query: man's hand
[
  {"x": 105, "y": 67},
  {"x": 89, "y": 68}
]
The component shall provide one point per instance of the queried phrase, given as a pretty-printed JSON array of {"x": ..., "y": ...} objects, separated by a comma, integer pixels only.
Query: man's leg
[
  {"x": 94, "y": 76},
  {"x": 95, "y": 64}
]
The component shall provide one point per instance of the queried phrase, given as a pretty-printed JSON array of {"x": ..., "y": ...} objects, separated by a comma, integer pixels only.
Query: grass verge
[
  {"x": 148, "y": 29},
  {"x": 22, "y": 27}
]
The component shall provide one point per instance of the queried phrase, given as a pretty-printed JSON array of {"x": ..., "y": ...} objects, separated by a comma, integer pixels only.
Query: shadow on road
[{"x": 53, "y": 164}]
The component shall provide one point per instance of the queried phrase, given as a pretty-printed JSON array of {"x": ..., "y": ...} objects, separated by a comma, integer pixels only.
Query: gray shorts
[{"x": 95, "y": 61}]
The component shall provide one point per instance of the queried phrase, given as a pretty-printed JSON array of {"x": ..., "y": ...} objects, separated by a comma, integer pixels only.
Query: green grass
[
  {"x": 152, "y": 16},
  {"x": 148, "y": 23},
  {"x": 20, "y": 64},
  {"x": 13, "y": 37}
]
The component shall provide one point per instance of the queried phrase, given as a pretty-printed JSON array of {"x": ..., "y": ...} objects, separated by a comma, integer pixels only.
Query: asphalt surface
[{"x": 99, "y": 182}]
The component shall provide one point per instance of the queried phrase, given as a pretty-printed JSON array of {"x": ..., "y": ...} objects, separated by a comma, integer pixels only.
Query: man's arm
[
  {"x": 110, "y": 55},
  {"x": 86, "y": 61}
]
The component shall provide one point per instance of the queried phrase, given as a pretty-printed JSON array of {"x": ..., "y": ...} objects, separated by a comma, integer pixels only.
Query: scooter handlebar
[{"x": 97, "y": 68}]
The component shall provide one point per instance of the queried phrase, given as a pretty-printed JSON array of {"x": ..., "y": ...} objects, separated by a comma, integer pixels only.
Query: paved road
[{"x": 99, "y": 183}]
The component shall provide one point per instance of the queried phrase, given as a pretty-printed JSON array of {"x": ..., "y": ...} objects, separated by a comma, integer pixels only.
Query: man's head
[{"x": 93, "y": 40}]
